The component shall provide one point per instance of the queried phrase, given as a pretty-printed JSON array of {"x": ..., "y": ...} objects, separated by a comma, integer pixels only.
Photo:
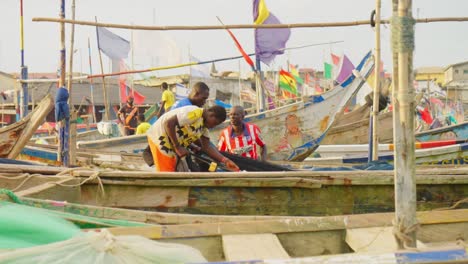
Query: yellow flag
[{"x": 263, "y": 12}]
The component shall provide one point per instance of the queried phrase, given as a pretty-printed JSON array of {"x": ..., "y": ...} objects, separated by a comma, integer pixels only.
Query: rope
[
  {"x": 402, "y": 34},
  {"x": 94, "y": 176},
  {"x": 465, "y": 200},
  {"x": 11, "y": 195},
  {"x": 402, "y": 233},
  {"x": 24, "y": 175}
]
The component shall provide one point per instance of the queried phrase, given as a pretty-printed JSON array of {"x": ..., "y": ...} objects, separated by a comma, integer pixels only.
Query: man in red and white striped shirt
[{"x": 240, "y": 137}]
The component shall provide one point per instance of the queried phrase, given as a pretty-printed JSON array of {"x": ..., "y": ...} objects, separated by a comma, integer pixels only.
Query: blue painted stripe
[
  {"x": 348, "y": 81},
  {"x": 464, "y": 146},
  {"x": 432, "y": 256},
  {"x": 317, "y": 99},
  {"x": 48, "y": 155},
  {"x": 363, "y": 61}
]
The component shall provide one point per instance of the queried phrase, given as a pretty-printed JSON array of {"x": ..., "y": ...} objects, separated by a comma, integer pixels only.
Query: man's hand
[
  {"x": 231, "y": 165},
  {"x": 181, "y": 151},
  {"x": 195, "y": 148}
]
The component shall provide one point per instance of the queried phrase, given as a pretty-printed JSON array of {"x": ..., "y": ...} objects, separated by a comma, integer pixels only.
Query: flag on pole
[
  {"x": 295, "y": 73},
  {"x": 241, "y": 50},
  {"x": 327, "y": 70},
  {"x": 287, "y": 82},
  {"x": 125, "y": 90},
  {"x": 268, "y": 42},
  {"x": 199, "y": 70},
  {"x": 114, "y": 46},
  {"x": 346, "y": 70},
  {"x": 335, "y": 59}
]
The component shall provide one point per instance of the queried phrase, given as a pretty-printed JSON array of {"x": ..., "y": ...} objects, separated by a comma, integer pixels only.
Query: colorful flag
[
  {"x": 295, "y": 73},
  {"x": 328, "y": 70},
  {"x": 241, "y": 50},
  {"x": 287, "y": 82},
  {"x": 268, "y": 42},
  {"x": 125, "y": 90},
  {"x": 335, "y": 59},
  {"x": 111, "y": 44},
  {"x": 346, "y": 70}
]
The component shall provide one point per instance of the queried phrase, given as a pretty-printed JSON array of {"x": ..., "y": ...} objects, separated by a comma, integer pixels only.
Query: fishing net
[
  {"x": 103, "y": 247},
  {"x": 22, "y": 226},
  {"x": 33, "y": 235}
]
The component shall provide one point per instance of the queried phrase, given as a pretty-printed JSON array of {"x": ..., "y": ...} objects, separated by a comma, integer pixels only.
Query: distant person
[
  {"x": 142, "y": 125},
  {"x": 167, "y": 100},
  {"x": 128, "y": 115},
  {"x": 198, "y": 96},
  {"x": 173, "y": 133},
  {"x": 241, "y": 138}
]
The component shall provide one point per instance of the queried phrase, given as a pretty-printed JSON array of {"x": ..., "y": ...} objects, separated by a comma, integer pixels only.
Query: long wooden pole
[
  {"x": 405, "y": 179},
  {"x": 91, "y": 81},
  {"x": 61, "y": 125},
  {"x": 242, "y": 26},
  {"x": 73, "y": 112},
  {"x": 22, "y": 106},
  {"x": 375, "y": 107},
  {"x": 106, "y": 102}
]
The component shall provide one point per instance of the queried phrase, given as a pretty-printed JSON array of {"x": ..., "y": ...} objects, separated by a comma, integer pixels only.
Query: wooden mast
[
  {"x": 405, "y": 182},
  {"x": 61, "y": 83},
  {"x": 73, "y": 112},
  {"x": 104, "y": 90},
  {"x": 22, "y": 107},
  {"x": 375, "y": 107}
]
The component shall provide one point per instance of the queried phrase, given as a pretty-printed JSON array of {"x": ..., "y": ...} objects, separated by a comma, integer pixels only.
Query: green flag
[{"x": 328, "y": 71}]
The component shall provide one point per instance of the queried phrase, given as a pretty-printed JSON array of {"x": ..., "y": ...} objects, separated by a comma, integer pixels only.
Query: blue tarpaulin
[{"x": 62, "y": 113}]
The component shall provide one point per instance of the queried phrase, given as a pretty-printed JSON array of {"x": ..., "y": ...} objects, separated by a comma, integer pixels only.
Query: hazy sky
[{"x": 437, "y": 44}]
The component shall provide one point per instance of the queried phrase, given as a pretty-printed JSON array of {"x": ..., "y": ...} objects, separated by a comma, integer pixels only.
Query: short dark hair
[
  {"x": 141, "y": 117},
  {"x": 219, "y": 112},
  {"x": 200, "y": 86},
  {"x": 164, "y": 85}
]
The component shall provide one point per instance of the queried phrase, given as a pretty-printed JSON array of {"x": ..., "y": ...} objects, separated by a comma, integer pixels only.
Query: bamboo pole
[
  {"x": 91, "y": 81},
  {"x": 375, "y": 107},
  {"x": 106, "y": 102},
  {"x": 242, "y": 26},
  {"x": 62, "y": 72},
  {"x": 73, "y": 112},
  {"x": 405, "y": 180},
  {"x": 22, "y": 107}
]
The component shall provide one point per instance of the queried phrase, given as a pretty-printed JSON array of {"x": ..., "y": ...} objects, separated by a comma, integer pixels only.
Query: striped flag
[{"x": 287, "y": 82}]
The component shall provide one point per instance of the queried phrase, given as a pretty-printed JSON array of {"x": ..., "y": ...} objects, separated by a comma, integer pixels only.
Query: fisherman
[
  {"x": 128, "y": 115},
  {"x": 241, "y": 138},
  {"x": 173, "y": 133},
  {"x": 142, "y": 125},
  {"x": 198, "y": 96},
  {"x": 167, "y": 99}
]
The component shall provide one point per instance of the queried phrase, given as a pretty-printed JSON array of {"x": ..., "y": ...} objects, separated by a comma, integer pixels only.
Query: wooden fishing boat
[
  {"x": 353, "y": 128},
  {"x": 270, "y": 237},
  {"x": 291, "y": 132},
  {"x": 15, "y": 136},
  {"x": 80, "y": 136},
  {"x": 455, "y": 154},
  {"x": 291, "y": 193}
]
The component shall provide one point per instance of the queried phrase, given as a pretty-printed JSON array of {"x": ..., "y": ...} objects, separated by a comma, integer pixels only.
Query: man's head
[
  {"x": 199, "y": 94},
  {"x": 214, "y": 116},
  {"x": 141, "y": 118},
  {"x": 237, "y": 115},
  {"x": 130, "y": 100},
  {"x": 164, "y": 86}
]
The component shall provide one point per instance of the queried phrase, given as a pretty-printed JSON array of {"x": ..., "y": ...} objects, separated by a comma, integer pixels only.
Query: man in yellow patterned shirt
[{"x": 170, "y": 136}]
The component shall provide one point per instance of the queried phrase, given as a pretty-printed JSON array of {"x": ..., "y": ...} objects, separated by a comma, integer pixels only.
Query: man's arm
[
  {"x": 161, "y": 109},
  {"x": 170, "y": 127},
  {"x": 216, "y": 155}
]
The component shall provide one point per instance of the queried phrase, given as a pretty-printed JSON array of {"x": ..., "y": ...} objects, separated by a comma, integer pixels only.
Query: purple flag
[
  {"x": 114, "y": 46},
  {"x": 268, "y": 42},
  {"x": 346, "y": 70}
]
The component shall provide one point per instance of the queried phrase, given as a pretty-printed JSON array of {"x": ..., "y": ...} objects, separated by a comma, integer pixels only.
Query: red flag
[
  {"x": 239, "y": 47},
  {"x": 126, "y": 91},
  {"x": 307, "y": 78},
  {"x": 335, "y": 59}
]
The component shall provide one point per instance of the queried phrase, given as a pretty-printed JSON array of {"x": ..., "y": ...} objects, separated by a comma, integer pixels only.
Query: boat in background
[
  {"x": 15, "y": 136},
  {"x": 301, "y": 126}
]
